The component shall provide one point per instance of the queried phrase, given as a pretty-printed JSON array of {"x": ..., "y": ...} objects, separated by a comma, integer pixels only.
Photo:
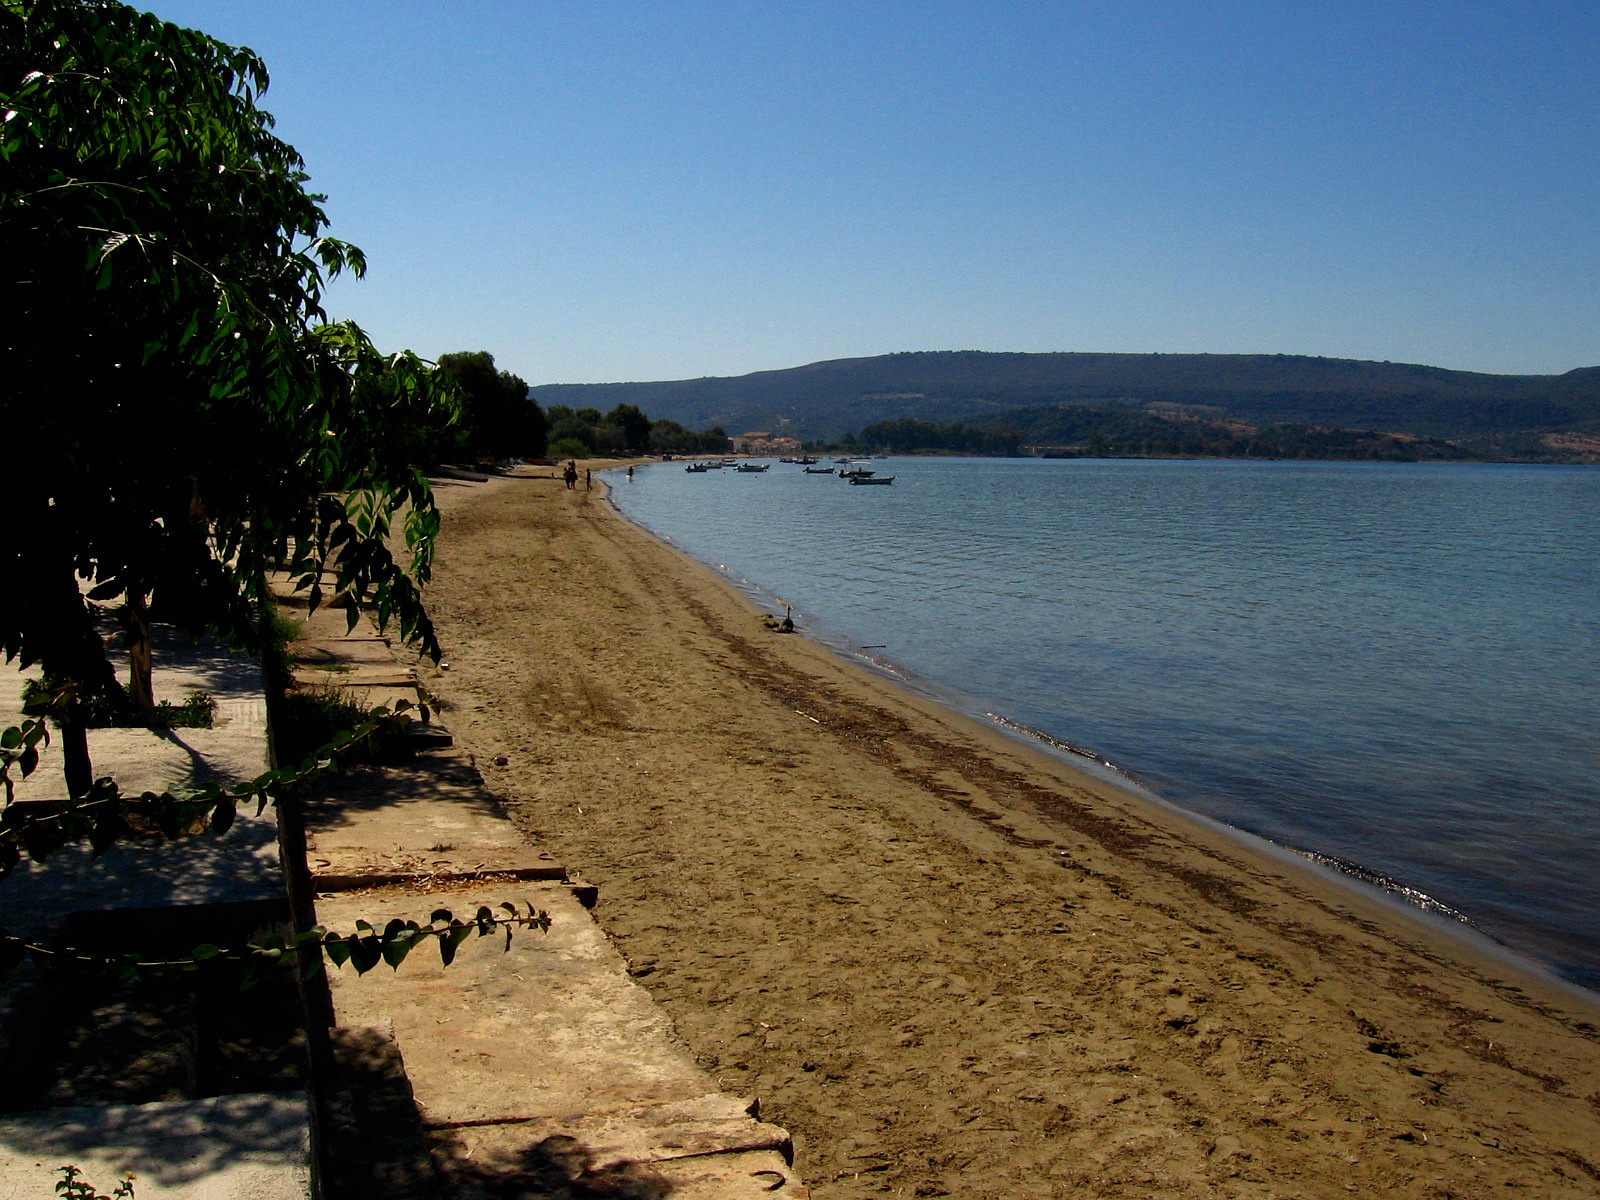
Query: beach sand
[{"x": 947, "y": 961}]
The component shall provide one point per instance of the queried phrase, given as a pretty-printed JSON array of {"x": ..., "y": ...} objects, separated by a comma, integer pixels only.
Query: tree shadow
[
  {"x": 558, "y": 1167},
  {"x": 372, "y": 1135},
  {"x": 346, "y": 798},
  {"x": 172, "y": 1143}
]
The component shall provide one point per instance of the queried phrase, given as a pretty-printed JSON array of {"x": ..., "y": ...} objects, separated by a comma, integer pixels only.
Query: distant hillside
[{"x": 1519, "y": 416}]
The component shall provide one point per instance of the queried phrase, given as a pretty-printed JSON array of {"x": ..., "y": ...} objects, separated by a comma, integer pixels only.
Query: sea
[{"x": 1392, "y": 669}]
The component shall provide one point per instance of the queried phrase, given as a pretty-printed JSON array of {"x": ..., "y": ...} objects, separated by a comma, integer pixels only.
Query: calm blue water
[{"x": 1397, "y": 666}]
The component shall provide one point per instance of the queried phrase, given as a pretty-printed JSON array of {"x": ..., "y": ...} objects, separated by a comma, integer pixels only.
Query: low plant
[
  {"x": 308, "y": 717},
  {"x": 73, "y": 1186},
  {"x": 111, "y": 708},
  {"x": 278, "y": 631},
  {"x": 198, "y": 711}
]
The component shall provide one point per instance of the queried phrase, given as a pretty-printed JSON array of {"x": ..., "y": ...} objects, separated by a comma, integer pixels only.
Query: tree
[
  {"x": 179, "y": 416},
  {"x": 633, "y": 424},
  {"x": 499, "y": 417},
  {"x": 571, "y": 433}
]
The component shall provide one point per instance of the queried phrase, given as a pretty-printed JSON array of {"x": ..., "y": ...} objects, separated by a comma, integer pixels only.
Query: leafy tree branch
[
  {"x": 181, "y": 415},
  {"x": 362, "y": 950}
]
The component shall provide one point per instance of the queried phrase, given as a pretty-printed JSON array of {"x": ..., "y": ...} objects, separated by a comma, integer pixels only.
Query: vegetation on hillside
[
  {"x": 1544, "y": 417},
  {"x": 1076, "y": 431}
]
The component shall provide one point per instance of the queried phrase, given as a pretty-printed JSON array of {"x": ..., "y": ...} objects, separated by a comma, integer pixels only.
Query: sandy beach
[{"x": 948, "y": 962}]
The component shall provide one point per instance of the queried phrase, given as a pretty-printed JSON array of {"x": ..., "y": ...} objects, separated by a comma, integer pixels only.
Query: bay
[{"x": 1390, "y": 666}]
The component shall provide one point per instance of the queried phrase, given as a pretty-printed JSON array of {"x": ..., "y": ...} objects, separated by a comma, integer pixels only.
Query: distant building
[{"x": 762, "y": 442}]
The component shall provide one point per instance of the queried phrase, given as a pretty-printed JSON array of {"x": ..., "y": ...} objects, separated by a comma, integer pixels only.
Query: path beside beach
[{"x": 951, "y": 964}]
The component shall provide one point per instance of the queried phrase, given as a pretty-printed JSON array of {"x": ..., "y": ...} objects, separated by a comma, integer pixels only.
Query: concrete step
[{"x": 545, "y": 1056}]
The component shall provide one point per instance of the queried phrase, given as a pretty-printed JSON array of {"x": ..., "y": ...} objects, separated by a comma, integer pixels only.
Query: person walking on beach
[
  {"x": 571, "y": 475},
  {"x": 588, "y": 480}
]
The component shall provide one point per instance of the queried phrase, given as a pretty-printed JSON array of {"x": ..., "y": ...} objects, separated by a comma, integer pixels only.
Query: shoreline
[
  {"x": 1480, "y": 899},
  {"x": 1407, "y": 901},
  {"x": 947, "y": 958}
]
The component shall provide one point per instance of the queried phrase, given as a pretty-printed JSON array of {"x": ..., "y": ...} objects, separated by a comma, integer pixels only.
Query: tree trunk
[
  {"x": 76, "y": 765},
  {"x": 73, "y": 656},
  {"x": 141, "y": 685}
]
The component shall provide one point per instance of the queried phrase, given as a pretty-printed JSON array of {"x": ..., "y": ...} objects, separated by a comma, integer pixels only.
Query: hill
[{"x": 1511, "y": 416}]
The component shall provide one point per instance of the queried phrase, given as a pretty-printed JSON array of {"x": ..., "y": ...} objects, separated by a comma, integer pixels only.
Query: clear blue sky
[{"x": 598, "y": 191}]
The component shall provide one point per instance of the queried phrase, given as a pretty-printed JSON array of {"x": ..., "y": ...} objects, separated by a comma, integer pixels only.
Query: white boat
[{"x": 870, "y": 478}]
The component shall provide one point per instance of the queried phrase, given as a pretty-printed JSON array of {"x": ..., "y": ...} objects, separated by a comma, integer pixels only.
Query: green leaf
[
  {"x": 450, "y": 942},
  {"x": 398, "y": 939},
  {"x": 337, "y": 949},
  {"x": 366, "y": 953}
]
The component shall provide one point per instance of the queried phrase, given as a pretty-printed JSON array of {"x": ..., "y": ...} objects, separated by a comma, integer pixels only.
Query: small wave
[
  {"x": 1384, "y": 883},
  {"x": 1104, "y": 765},
  {"x": 1040, "y": 735}
]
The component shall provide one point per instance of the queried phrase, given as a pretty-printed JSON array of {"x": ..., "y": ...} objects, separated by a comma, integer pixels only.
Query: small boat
[
  {"x": 752, "y": 466},
  {"x": 855, "y": 473},
  {"x": 818, "y": 471},
  {"x": 869, "y": 477},
  {"x": 697, "y": 468}
]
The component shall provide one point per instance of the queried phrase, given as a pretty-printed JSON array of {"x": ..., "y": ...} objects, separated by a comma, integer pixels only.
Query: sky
[{"x": 600, "y": 192}]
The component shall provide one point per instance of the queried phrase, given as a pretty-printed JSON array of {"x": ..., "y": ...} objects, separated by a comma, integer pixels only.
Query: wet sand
[{"x": 947, "y": 961}]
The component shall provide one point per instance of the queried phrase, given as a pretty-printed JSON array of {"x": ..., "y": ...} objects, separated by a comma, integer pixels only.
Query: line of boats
[{"x": 851, "y": 470}]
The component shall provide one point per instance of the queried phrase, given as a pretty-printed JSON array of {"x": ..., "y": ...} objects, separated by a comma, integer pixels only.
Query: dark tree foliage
[
  {"x": 669, "y": 437},
  {"x": 499, "y": 419},
  {"x": 1074, "y": 429},
  {"x": 177, "y": 414},
  {"x": 909, "y": 436},
  {"x": 625, "y": 430},
  {"x": 633, "y": 425}
]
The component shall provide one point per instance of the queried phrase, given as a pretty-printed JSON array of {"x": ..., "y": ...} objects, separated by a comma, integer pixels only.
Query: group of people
[{"x": 570, "y": 474}]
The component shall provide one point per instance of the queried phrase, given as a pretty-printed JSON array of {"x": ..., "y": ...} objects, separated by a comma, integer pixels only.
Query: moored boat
[{"x": 869, "y": 477}]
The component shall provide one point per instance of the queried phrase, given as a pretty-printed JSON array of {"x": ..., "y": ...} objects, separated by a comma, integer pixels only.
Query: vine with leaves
[{"x": 104, "y": 815}]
